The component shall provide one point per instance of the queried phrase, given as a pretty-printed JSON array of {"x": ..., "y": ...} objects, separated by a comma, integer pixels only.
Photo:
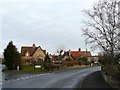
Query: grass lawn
[
  {"x": 32, "y": 69},
  {"x": 27, "y": 69}
]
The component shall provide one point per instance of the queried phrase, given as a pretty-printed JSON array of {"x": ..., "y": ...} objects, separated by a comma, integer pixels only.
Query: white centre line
[{"x": 23, "y": 78}]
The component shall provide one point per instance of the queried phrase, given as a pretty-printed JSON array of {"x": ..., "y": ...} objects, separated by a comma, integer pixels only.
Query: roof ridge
[{"x": 28, "y": 46}]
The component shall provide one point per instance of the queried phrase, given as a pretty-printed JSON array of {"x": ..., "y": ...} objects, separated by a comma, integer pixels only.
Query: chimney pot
[
  {"x": 79, "y": 49},
  {"x": 33, "y": 45}
]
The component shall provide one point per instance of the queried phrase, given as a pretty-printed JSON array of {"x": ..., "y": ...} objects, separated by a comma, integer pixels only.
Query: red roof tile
[
  {"x": 80, "y": 53},
  {"x": 74, "y": 53}
]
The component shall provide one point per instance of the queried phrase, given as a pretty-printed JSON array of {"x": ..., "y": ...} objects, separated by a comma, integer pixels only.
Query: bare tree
[{"x": 102, "y": 27}]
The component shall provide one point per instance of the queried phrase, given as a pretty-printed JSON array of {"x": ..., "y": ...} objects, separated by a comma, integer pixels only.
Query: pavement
[{"x": 94, "y": 80}]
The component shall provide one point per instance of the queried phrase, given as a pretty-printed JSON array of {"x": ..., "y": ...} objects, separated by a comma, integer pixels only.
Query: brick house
[{"x": 29, "y": 54}]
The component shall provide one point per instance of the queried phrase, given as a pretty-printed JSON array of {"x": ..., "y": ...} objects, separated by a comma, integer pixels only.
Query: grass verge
[{"x": 26, "y": 69}]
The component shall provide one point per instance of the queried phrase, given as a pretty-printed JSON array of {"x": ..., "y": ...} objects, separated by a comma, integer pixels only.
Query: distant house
[
  {"x": 94, "y": 59},
  {"x": 67, "y": 56},
  {"x": 54, "y": 58},
  {"x": 79, "y": 53},
  {"x": 29, "y": 54},
  {"x": 76, "y": 54}
]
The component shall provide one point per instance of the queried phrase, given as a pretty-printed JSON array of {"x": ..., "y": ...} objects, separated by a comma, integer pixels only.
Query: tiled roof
[
  {"x": 25, "y": 49},
  {"x": 80, "y": 53},
  {"x": 74, "y": 53}
]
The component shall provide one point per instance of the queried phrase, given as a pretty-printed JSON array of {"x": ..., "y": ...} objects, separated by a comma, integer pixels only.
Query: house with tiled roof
[
  {"x": 80, "y": 53},
  {"x": 76, "y": 54},
  {"x": 29, "y": 54}
]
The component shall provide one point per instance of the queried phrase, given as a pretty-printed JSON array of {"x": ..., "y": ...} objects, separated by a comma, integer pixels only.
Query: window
[
  {"x": 27, "y": 53},
  {"x": 27, "y": 61}
]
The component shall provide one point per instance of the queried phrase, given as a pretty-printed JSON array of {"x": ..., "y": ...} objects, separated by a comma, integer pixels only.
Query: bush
[
  {"x": 51, "y": 66},
  {"x": 70, "y": 63},
  {"x": 113, "y": 71},
  {"x": 83, "y": 61}
]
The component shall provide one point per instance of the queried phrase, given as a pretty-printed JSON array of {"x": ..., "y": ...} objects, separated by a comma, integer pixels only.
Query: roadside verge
[{"x": 94, "y": 80}]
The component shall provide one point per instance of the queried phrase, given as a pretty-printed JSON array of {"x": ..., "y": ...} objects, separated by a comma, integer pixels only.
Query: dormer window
[{"x": 27, "y": 53}]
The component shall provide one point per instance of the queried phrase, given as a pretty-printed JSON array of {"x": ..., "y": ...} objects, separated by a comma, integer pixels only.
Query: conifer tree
[{"x": 11, "y": 56}]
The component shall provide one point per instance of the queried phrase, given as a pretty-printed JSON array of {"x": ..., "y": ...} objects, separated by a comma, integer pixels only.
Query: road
[{"x": 62, "y": 79}]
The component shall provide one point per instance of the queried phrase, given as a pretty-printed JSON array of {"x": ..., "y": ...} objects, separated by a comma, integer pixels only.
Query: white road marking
[
  {"x": 27, "y": 77},
  {"x": 31, "y": 76},
  {"x": 23, "y": 78},
  {"x": 18, "y": 79},
  {"x": 37, "y": 75}
]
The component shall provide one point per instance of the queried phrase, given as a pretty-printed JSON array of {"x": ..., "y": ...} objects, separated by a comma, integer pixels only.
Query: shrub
[
  {"x": 51, "y": 66},
  {"x": 70, "y": 63}
]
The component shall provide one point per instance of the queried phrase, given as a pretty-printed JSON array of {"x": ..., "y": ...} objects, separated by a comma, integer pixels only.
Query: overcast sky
[{"x": 51, "y": 24}]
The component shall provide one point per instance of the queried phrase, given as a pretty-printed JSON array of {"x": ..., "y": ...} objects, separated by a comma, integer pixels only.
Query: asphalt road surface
[{"x": 62, "y": 79}]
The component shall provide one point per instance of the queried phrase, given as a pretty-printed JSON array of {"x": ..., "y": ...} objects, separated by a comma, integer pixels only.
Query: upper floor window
[{"x": 27, "y": 53}]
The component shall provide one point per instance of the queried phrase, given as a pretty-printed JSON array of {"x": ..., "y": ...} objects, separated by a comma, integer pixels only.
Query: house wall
[
  {"x": 39, "y": 54},
  {"x": 93, "y": 58},
  {"x": 26, "y": 60},
  {"x": 65, "y": 57}
]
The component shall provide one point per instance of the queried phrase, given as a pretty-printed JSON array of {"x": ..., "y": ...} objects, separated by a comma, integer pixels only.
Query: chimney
[
  {"x": 69, "y": 52},
  {"x": 79, "y": 49},
  {"x": 33, "y": 45}
]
